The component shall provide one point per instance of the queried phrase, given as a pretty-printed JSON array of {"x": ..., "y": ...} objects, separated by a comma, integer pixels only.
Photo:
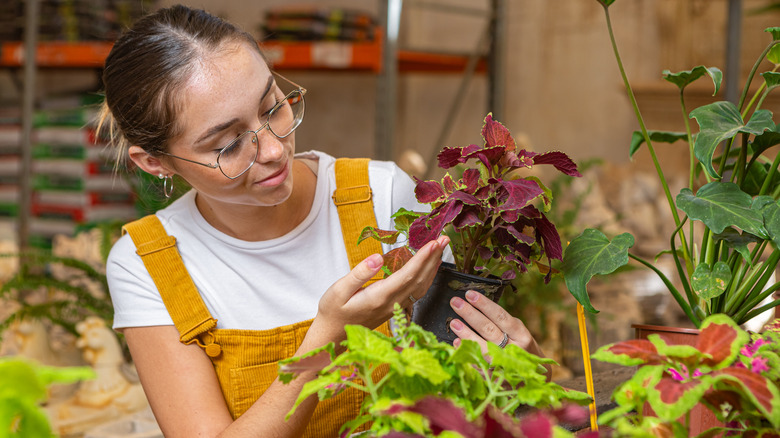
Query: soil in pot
[{"x": 433, "y": 311}]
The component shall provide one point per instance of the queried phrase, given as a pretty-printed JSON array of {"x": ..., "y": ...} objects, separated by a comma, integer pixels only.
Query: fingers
[
  {"x": 346, "y": 286},
  {"x": 489, "y": 321}
]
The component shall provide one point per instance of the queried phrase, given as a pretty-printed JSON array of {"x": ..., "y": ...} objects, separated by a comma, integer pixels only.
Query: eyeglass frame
[{"x": 267, "y": 124}]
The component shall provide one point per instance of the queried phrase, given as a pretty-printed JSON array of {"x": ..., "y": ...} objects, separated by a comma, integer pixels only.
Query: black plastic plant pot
[{"x": 433, "y": 311}]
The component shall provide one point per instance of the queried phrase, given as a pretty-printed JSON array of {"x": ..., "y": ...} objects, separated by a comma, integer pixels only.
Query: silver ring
[
  {"x": 412, "y": 299},
  {"x": 504, "y": 341}
]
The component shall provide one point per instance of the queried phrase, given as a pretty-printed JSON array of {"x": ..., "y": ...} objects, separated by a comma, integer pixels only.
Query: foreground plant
[
  {"x": 494, "y": 215},
  {"x": 418, "y": 366},
  {"x": 735, "y": 374},
  {"x": 726, "y": 267}
]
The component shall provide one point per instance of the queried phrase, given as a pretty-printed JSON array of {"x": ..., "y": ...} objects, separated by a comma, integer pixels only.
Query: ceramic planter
[
  {"x": 434, "y": 313},
  {"x": 701, "y": 418}
]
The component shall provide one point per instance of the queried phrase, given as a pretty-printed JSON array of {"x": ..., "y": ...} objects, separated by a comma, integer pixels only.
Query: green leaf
[
  {"x": 770, "y": 211},
  {"x": 775, "y": 31},
  {"x": 739, "y": 242},
  {"x": 684, "y": 78},
  {"x": 423, "y": 363},
  {"x": 774, "y": 53},
  {"x": 671, "y": 399},
  {"x": 772, "y": 79},
  {"x": 710, "y": 283},
  {"x": 403, "y": 218},
  {"x": 720, "y": 205},
  {"x": 606, "y": 3},
  {"x": 720, "y": 121},
  {"x": 766, "y": 140},
  {"x": 637, "y": 139},
  {"x": 591, "y": 253},
  {"x": 678, "y": 351}
]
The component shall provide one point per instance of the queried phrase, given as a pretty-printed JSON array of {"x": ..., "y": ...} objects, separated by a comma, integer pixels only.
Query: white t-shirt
[{"x": 254, "y": 285}]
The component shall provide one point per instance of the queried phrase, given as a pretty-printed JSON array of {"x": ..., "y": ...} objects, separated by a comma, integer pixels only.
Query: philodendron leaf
[
  {"x": 709, "y": 283},
  {"x": 772, "y": 80},
  {"x": 770, "y": 210},
  {"x": 720, "y": 205},
  {"x": 739, "y": 242},
  {"x": 655, "y": 136},
  {"x": 766, "y": 140},
  {"x": 720, "y": 339},
  {"x": 774, "y": 53},
  {"x": 589, "y": 254},
  {"x": 683, "y": 78},
  {"x": 606, "y": 3},
  {"x": 720, "y": 121}
]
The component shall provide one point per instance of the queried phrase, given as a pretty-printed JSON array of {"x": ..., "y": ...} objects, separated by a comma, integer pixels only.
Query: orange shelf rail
[{"x": 346, "y": 56}]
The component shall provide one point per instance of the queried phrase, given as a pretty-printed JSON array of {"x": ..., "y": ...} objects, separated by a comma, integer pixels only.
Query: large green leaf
[
  {"x": 720, "y": 205},
  {"x": 683, "y": 78},
  {"x": 738, "y": 241},
  {"x": 709, "y": 283},
  {"x": 766, "y": 140},
  {"x": 721, "y": 121},
  {"x": 589, "y": 254},
  {"x": 655, "y": 136}
]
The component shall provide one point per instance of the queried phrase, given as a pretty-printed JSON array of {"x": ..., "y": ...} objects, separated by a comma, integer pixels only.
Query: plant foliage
[{"x": 418, "y": 366}]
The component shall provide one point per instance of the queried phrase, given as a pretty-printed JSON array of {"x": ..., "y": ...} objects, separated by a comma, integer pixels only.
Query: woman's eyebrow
[{"x": 222, "y": 126}]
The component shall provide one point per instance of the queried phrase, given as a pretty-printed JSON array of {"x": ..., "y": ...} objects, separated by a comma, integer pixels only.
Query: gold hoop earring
[{"x": 167, "y": 184}]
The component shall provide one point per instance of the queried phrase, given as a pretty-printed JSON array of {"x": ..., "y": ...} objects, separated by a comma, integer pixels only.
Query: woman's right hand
[{"x": 348, "y": 302}]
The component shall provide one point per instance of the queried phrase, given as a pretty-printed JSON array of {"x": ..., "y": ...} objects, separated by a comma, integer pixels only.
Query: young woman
[{"x": 257, "y": 269}]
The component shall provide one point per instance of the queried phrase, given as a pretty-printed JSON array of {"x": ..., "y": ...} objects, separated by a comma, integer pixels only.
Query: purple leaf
[
  {"x": 468, "y": 217},
  {"x": 428, "y": 191},
  {"x": 510, "y": 216},
  {"x": 450, "y": 157},
  {"x": 442, "y": 414},
  {"x": 561, "y": 161},
  {"x": 448, "y": 183},
  {"x": 509, "y": 274},
  {"x": 550, "y": 238},
  {"x": 537, "y": 425},
  {"x": 463, "y": 197},
  {"x": 521, "y": 235},
  {"x": 471, "y": 180},
  {"x": 521, "y": 192},
  {"x": 496, "y": 134},
  {"x": 429, "y": 227},
  {"x": 571, "y": 414}
]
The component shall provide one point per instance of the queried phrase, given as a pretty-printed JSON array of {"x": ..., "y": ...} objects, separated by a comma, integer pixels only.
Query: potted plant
[
  {"x": 494, "y": 214},
  {"x": 734, "y": 373},
  {"x": 414, "y": 367},
  {"x": 727, "y": 220}
]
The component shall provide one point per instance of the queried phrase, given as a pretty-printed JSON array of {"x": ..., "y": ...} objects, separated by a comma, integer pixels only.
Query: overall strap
[
  {"x": 353, "y": 199},
  {"x": 182, "y": 300}
]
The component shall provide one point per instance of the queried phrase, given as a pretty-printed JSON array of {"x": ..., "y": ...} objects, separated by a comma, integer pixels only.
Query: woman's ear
[{"x": 148, "y": 163}]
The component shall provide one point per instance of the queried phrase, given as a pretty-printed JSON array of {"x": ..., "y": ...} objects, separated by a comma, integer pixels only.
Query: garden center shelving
[{"x": 382, "y": 57}]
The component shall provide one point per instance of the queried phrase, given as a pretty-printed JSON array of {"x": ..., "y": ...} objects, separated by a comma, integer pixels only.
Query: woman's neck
[{"x": 254, "y": 224}]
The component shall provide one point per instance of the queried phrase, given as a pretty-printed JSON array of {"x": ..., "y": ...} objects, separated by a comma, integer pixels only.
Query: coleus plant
[
  {"x": 493, "y": 213},
  {"x": 419, "y": 366},
  {"x": 732, "y": 372}
]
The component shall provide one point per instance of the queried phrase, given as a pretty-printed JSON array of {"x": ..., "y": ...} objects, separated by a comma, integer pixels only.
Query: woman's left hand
[{"x": 491, "y": 323}]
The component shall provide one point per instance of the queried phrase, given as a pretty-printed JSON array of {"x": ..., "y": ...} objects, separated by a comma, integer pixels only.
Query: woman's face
[{"x": 229, "y": 93}]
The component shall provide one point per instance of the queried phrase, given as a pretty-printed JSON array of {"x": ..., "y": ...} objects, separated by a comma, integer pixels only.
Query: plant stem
[
  {"x": 641, "y": 121},
  {"x": 760, "y": 310},
  {"x": 691, "y": 176},
  {"x": 770, "y": 176},
  {"x": 741, "y": 289},
  {"x": 675, "y": 293}
]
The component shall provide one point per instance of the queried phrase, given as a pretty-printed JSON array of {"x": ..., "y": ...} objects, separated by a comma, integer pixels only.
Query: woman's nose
[{"x": 271, "y": 147}]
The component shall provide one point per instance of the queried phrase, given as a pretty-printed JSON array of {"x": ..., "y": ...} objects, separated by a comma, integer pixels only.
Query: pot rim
[
  {"x": 665, "y": 329},
  {"x": 452, "y": 270}
]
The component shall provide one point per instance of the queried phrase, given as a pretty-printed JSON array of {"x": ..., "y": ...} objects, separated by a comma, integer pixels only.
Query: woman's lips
[{"x": 277, "y": 178}]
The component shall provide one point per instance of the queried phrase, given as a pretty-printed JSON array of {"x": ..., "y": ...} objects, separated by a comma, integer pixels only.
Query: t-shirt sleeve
[{"x": 137, "y": 303}]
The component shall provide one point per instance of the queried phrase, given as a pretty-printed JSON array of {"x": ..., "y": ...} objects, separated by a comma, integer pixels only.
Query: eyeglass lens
[{"x": 240, "y": 155}]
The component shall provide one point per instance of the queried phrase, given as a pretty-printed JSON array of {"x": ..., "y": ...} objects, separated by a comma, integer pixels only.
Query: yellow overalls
[{"x": 246, "y": 360}]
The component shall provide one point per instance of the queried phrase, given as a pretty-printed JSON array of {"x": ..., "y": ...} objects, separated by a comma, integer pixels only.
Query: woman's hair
[{"x": 147, "y": 67}]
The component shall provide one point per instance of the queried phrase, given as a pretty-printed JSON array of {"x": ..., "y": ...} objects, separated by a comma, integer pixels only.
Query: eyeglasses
[{"x": 240, "y": 154}]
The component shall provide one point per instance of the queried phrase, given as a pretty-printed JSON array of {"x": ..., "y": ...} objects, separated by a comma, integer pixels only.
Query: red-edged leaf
[
  {"x": 671, "y": 399},
  {"x": 396, "y": 258},
  {"x": 531, "y": 212},
  {"x": 759, "y": 389},
  {"x": 468, "y": 217},
  {"x": 521, "y": 192},
  {"x": 571, "y": 414},
  {"x": 721, "y": 339},
  {"x": 384, "y": 236},
  {"x": 550, "y": 238},
  {"x": 428, "y": 191},
  {"x": 463, "y": 197},
  {"x": 500, "y": 425},
  {"x": 496, "y": 134},
  {"x": 521, "y": 235},
  {"x": 430, "y": 226},
  {"x": 521, "y": 158},
  {"x": 630, "y": 352},
  {"x": 470, "y": 181},
  {"x": 561, "y": 161},
  {"x": 448, "y": 183},
  {"x": 450, "y": 157}
]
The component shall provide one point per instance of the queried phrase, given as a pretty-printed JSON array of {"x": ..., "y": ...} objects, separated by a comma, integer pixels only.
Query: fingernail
[
  {"x": 472, "y": 296},
  {"x": 456, "y": 343},
  {"x": 374, "y": 261},
  {"x": 456, "y": 325},
  {"x": 457, "y": 302}
]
